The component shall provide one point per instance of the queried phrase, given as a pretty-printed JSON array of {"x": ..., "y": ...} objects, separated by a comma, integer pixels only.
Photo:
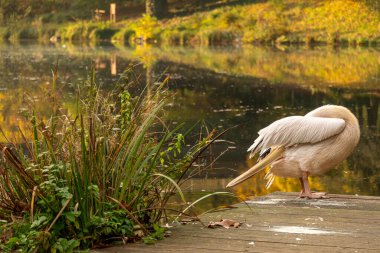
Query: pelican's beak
[{"x": 274, "y": 155}]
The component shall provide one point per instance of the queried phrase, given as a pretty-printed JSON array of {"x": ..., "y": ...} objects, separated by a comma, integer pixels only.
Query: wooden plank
[
  {"x": 280, "y": 223},
  {"x": 299, "y": 209},
  {"x": 351, "y": 216},
  {"x": 179, "y": 244},
  {"x": 330, "y": 240}
]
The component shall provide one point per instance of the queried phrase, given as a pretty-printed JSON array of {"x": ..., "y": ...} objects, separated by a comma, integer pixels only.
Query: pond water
[{"x": 249, "y": 87}]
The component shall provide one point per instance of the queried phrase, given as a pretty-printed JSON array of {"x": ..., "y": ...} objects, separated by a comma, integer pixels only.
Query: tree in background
[
  {"x": 157, "y": 8},
  {"x": 66, "y": 10}
]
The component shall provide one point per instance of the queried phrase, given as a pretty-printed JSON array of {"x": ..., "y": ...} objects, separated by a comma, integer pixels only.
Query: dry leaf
[{"x": 226, "y": 223}]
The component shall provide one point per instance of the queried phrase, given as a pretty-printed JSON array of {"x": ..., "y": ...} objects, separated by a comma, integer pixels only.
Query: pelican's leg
[
  {"x": 306, "y": 192},
  {"x": 302, "y": 187}
]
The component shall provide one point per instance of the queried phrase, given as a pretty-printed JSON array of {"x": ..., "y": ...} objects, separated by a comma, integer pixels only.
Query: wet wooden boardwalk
[{"x": 280, "y": 222}]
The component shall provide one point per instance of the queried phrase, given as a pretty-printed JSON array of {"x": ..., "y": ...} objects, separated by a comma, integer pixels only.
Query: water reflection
[
  {"x": 249, "y": 87},
  {"x": 253, "y": 104}
]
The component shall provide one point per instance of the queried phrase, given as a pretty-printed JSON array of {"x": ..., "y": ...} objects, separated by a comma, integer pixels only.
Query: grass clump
[
  {"x": 79, "y": 31},
  {"x": 86, "y": 178}
]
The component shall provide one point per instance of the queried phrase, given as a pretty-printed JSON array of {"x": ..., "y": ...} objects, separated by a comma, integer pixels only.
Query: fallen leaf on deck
[{"x": 226, "y": 223}]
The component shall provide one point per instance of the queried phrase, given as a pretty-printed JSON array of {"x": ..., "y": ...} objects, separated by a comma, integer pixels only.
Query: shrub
[
  {"x": 125, "y": 35},
  {"x": 103, "y": 33},
  {"x": 4, "y": 33},
  {"x": 147, "y": 28},
  {"x": 77, "y": 31},
  {"x": 28, "y": 33}
]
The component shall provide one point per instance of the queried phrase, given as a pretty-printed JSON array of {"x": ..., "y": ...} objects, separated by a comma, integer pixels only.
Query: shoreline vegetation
[
  {"x": 102, "y": 172},
  {"x": 335, "y": 22}
]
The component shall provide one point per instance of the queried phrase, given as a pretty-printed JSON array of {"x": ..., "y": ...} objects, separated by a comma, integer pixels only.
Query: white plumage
[
  {"x": 294, "y": 130},
  {"x": 305, "y": 145}
]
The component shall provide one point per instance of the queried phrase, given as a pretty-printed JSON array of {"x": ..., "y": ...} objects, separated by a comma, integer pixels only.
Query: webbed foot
[{"x": 306, "y": 192}]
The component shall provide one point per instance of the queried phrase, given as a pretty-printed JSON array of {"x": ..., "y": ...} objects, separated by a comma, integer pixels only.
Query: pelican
[{"x": 303, "y": 146}]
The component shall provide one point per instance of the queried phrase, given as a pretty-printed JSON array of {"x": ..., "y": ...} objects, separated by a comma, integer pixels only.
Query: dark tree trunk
[{"x": 157, "y": 8}]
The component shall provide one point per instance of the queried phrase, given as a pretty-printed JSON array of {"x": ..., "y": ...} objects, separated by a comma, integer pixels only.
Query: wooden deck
[{"x": 280, "y": 222}]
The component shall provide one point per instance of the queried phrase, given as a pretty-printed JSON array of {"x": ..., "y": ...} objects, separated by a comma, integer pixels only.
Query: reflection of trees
[
  {"x": 143, "y": 53},
  {"x": 318, "y": 67},
  {"x": 17, "y": 106},
  {"x": 227, "y": 88}
]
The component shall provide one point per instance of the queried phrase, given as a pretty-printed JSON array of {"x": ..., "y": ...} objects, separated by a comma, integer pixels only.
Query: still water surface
[{"x": 249, "y": 87}]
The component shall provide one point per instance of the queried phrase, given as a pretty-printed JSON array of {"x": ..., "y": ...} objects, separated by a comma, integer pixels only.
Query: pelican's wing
[{"x": 294, "y": 130}]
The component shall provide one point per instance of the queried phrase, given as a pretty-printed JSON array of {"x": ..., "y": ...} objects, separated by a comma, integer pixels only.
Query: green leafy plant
[{"x": 157, "y": 234}]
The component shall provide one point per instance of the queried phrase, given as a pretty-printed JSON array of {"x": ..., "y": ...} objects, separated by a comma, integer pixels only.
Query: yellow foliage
[
  {"x": 313, "y": 20},
  {"x": 144, "y": 54},
  {"x": 338, "y": 19},
  {"x": 147, "y": 27}
]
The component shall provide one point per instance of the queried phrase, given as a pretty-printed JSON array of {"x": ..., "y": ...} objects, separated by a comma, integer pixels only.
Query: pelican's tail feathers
[{"x": 271, "y": 157}]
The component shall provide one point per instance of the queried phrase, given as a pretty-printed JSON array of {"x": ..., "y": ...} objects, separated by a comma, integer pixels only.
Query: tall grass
[{"x": 87, "y": 177}]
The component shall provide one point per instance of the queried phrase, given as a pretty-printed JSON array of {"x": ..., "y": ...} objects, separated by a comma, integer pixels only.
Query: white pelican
[{"x": 303, "y": 146}]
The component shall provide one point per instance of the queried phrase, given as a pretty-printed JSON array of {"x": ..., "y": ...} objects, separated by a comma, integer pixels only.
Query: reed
[{"x": 85, "y": 178}]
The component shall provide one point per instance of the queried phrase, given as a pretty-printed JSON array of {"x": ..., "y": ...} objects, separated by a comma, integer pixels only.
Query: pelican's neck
[{"x": 351, "y": 133}]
